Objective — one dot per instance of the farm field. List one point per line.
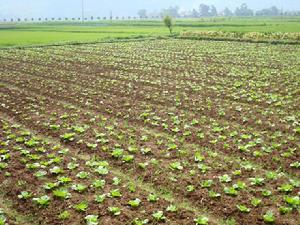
(150, 132)
(22, 34)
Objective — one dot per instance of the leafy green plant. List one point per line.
(199, 157)
(225, 178)
(172, 208)
(82, 175)
(257, 181)
(100, 198)
(31, 143)
(116, 181)
(99, 184)
(117, 153)
(213, 194)
(116, 193)
(91, 220)
(266, 193)
(79, 187)
(203, 168)
(68, 137)
(2, 218)
(138, 221)
(79, 129)
(285, 210)
(50, 186)
(293, 201)
(64, 215)
(72, 165)
(286, 188)
(159, 216)
(271, 175)
(56, 170)
(42, 201)
(40, 173)
(25, 195)
(231, 191)
(145, 151)
(135, 203)
(81, 207)
(206, 183)
(256, 202)
(176, 166)
(127, 158)
(295, 165)
(243, 208)
(201, 220)
(64, 180)
(3, 165)
(239, 185)
(54, 127)
(268, 217)
(152, 198)
(114, 210)
(61, 193)
(190, 188)
(102, 170)
(91, 146)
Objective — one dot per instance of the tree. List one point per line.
(243, 10)
(195, 13)
(204, 10)
(213, 11)
(171, 11)
(142, 13)
(227, 12)
(273, 11)
(168, 21)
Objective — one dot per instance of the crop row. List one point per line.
(215, 128)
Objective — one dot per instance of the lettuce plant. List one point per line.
(61, 193)
(268, 217)
(64, 215)
(25, 195)
(115, 193)
(100, 198)
(135, 203)
(91, 220)
(172, 208)
(159, 216)
(42, 201)
(201, 220)
(114, 210)
(243, 208)
(81, 207)
(152, 198)
(79, 187)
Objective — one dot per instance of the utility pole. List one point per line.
(82, 10)
(111, 16)
(282, 10)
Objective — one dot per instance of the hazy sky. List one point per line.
(72, 8)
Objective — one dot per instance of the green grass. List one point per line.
(59, 32)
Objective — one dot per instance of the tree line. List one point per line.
(211, 11)
(91, 18)
(202, 11)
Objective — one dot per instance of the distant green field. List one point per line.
(60, 32)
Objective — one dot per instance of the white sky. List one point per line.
(72, 8)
